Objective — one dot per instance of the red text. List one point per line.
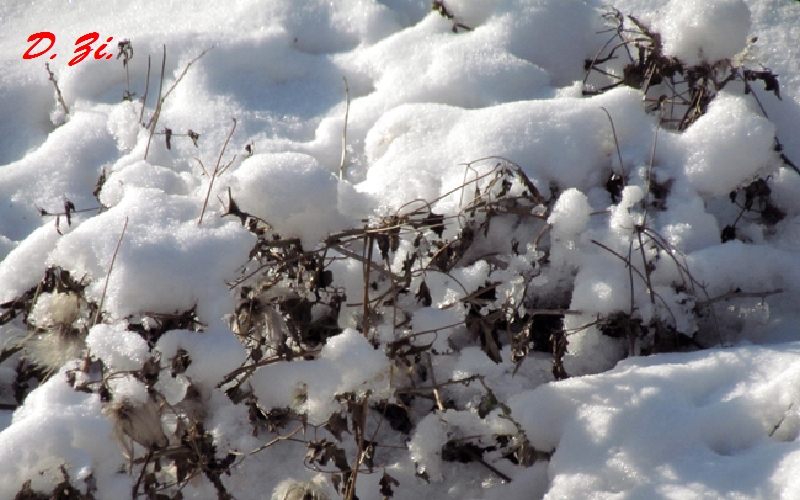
(83, 46)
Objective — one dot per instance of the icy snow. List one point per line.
(426, 104)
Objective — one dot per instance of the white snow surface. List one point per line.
(432, 106)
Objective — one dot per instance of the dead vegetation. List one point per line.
(291, 300)
(683, 92)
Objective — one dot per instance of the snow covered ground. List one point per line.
(171, 304)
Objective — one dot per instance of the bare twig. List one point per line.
(154, 119)
(249, 369)
(644, 279)
(183, 73)
(350, 490)
(432, 376)
(146, 89)
(58, 90)
(108, 274)
(740, 295)
(148, 457)
(277, 439)
(630, 276)
(783, 417)
(344, 129)
(616, 143)
(126, 53)
(368, 244)
(157, 114)
(217, 171)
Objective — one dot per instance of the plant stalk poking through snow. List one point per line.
(146, 89)
(344, 130)
(151, 125)
(216, 172)
(58, 90)
(154, 119)
(108, 274)
(126, 53)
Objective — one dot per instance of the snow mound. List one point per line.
(726, 422)
(697, 32)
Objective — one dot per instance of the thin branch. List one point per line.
(350, 491)
(368, 244)
(183, 73)
(157, 114)
(740, 295)
(147, 459)
(616, 143)
(249, 369)
(630, 276)
(432, 376)
(344, 130)
(650, 165)
(154, 119)
(108, 274)
(557, 312)
(217, 171)
(277, 439)
(58, 90)
(783, 417)
(646, 267)
(639, 273)
(146, 89)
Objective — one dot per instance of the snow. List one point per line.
(727, 146)
(708, 31)
(570, 214)
(134, 326)
(290, 189)
(348, 363)
(58, 425)
(713, 425)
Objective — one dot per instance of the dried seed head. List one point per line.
(137, 421)
(290, 489)
(58, 336)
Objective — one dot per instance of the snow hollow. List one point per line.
(400, 249)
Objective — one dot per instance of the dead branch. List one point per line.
(217, 171)
(108, 274)
(58, 90)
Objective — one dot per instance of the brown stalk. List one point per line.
(108, 274)
(217, 171)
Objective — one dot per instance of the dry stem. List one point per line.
(217, 171)
(108, 274)
(344, 130)
(58, 90)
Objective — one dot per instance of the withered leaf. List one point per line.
(769, 79)
(180, 362)
(194, 136)
(336, 424)
(69, 207)
(728, 234)
(100, 182)
(336, 480)
(386, 482)
(436, 224)
(424, 294)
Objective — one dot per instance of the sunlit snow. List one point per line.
(436, 106)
